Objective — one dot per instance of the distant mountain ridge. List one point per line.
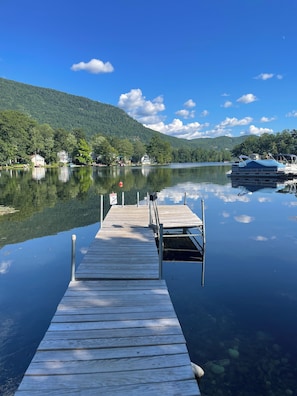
(62, 110)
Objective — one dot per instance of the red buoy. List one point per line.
(121, 184)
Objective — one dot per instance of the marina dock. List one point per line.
(115, 331)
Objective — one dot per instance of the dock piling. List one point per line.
(203, 221)
(160, 251)
(73, 240)
(101, 210)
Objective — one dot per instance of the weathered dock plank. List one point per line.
(115, 331)
(123, 248)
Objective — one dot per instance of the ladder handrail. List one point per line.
(154, 213)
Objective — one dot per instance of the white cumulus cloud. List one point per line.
(204, 113)
(190, 103)
(264, 76)
(187, 112)
(227, 104)
(141, 109)
(94, 66)
(267, 119)
(248, 98)
(292, 113)
(233, 122)
(184, 113)
(178, 129)
(148, 113)
(253, 130)
(268, 76)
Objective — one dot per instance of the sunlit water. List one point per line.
(241, 327)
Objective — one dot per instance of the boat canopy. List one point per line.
(266, 163)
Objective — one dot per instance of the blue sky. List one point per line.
(190, 69)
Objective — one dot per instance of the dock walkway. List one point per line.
(115, 331)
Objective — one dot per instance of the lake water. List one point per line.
(241, 327)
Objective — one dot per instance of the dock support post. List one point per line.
(203, 222)
(203, 270)
(123, 198)
(101, 210)
(73, 238)
(137, 198)
(185, 198)
(150, 213)
(160, 251)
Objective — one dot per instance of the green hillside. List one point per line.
(218, 143)
(62, 110)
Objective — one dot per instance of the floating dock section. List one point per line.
(115, 331)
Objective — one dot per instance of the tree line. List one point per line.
(284, 142)
(21, 136)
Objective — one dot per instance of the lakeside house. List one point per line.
(145, 160)
(37, 160)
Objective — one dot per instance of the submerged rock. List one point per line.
(217, 369)
(233, 353)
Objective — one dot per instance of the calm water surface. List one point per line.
(241, 327)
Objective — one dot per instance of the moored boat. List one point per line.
(254, 166)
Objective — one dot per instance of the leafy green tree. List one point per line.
(96, 143)
(4, 152)
(294, 140)
(184, 155)
(47, 138)
(139, 150)
(108, 153)
(266, 145)
(70, 144)
(82, 153)
(115, 142)
(284, 142)
(249, 146)
(35, 140)
(60, 139)
(125, 150)
(159, 150)
(15, 131)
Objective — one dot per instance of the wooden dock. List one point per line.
(115, 331)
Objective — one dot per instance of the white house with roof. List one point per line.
(37, 160)
(145, 160)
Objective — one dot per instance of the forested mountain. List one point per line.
(218, 143)
(61, 110)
